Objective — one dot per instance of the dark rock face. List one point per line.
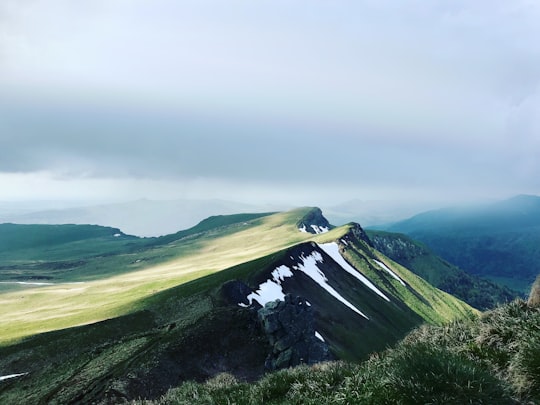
(289, 327)
(359, 233)
(235, 292)
(397, 248)
(315, 218)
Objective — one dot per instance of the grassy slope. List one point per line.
(430, 303)
(144, 272)
(497, 241)
(481, 294)
(494, 359)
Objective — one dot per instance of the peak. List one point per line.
(314, 222)
(358, 233)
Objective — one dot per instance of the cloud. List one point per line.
(438, 96)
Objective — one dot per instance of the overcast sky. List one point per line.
(308, 102)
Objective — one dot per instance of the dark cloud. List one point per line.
(434, 96)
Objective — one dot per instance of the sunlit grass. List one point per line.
(36, 310)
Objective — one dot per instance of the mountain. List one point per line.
(373, 212)
(477, 292)
(142, 217)
(498, 241)
(152, 313)
(492, 359)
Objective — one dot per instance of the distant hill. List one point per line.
(133, 320)
(142, 217)
(499, 241)
(373, 212)
(478, 292)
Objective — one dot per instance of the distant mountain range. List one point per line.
(155, 218)
(141, 218)
(499, 241)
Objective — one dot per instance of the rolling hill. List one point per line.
(150, 313)
(499, 241)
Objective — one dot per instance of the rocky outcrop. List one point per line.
(235, 292)
(397, 247)
(314, 222)
(289, 327)
(357, 234)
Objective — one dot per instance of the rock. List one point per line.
(314, 218)
(289, 328)
(235, 292)
(270, 322)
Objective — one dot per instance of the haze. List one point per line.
(308, 102)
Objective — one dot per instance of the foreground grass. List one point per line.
(491, 360)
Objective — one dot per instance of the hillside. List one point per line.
(494, 359)
(477, 292)
(152, 328)
(498, 241)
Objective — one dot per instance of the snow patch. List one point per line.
(344, 242)
(25, 283)
(39, 283)
(319, 229)
(7, 377)
(318, 336)
(116, 235)
(270, 290)
(303, 228)
(385, 267)
(281, 272)
(332, 249)
(309, 267)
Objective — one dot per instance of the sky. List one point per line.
(305, 102)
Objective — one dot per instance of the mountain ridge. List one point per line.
(168, 327)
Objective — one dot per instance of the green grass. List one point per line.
(494, 359)
(479, 293)
(431, 304)
(173, 312)
(112, 285)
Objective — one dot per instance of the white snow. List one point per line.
(332, 249)
(267, 292)
(385, 267)
(24, 283)
(7, 377)
(39, 284)
(116, 235)
(281, 272)
(318, 336)
(319, 229)
(344, 242)
(270, 290)
(303, 229)
(309, 267)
